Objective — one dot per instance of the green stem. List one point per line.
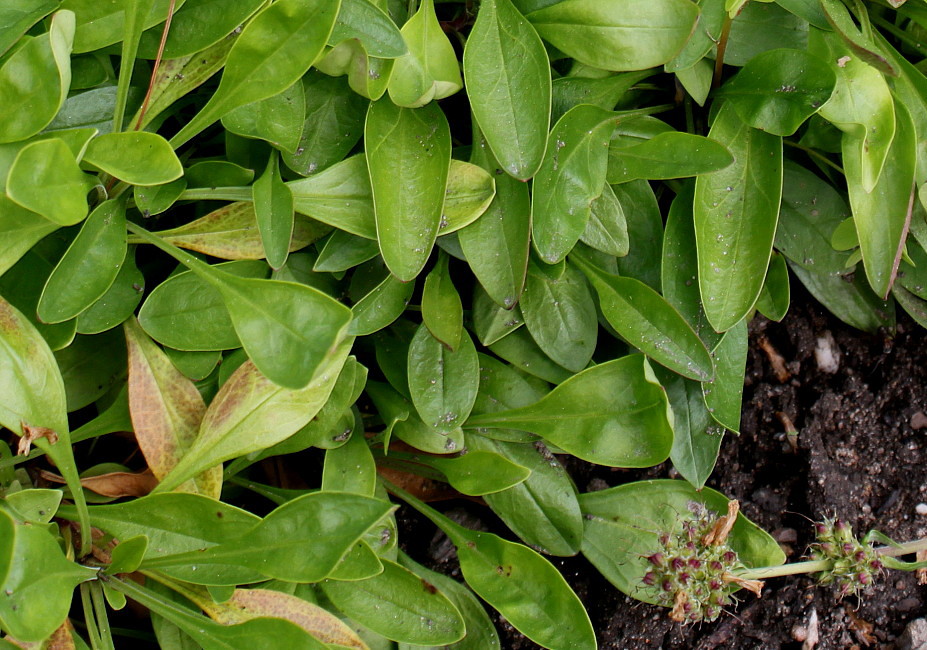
(99, 607)
(817, 155)
(447, 526)
(199, 267)
(92, 631)
(900, 34)
(903, 549)
(722, 46)
(216, 194)
(62, 454)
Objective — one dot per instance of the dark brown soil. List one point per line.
(859, 454)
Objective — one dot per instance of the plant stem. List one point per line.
(903, 549)
(216, 194)
(722, 46)
(154, 68)
(92, 631)
(817, 155)
(99, 608)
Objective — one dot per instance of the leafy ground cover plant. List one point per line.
(265, 261)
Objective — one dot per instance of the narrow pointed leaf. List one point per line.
(408, 155)
(612, 414)
(442, 311)
(508, 83)
(273, 208)
(607, 228)
(443, 383)
(666, 155)
(89, 266)
(724, 394)
(736, 210)
(696, 436)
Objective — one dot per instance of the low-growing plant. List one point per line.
(311, 253)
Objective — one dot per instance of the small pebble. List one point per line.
(921, 508)
(918, 420)
(914, 636)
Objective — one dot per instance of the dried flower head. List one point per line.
(854, 563)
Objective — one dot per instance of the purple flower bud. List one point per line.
(656, 559)
(667, 585)
(863, 578)
(820, 529)
(695, 563)
(860, 556)
(690, 546)
(649, 578)
(683, 577)
(877, 565)
(714, 565)
(715, 584)
(729, 556)
(687, 607)
(840, 525)
(664, 539)
(827, 548)
(677, 563)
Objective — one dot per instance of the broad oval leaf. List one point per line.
(430, 70)
(46, 179)
(508, 83)
(613, 414)
(623, 525)
(620, 35)
(779, 89)
(649, 323)
(408, 156)
(736, 210)
(278, 119)
(607, 228)
(136, 157)
(666, 155)
(571, 176)
(22, 287)
(372, 26)
(90, 265)
(400, 606)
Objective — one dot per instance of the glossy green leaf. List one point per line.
(91, 366)
(278, 119)
(350, 468)
(649, 323)
(128, 555)
(89, 267)
(45, 178)
(408, 155)
(22, 286)
(34, 80)
(519, 349)
(763, 26)
(645, 232)
(882, 215)
(334, 122)
(343, 251)
(778, 90)
(542, 510)
(157, 199)
(35, 505)
(852, 302)
(196, 26)
(470, 190)
(443, 383)
(623, 525)
(736, 211)
(274, 50)
(861, 104)
(571, 177)
(560, 314)
(251, 413)
(524, 587)
(400, 415)
(119, 301)
(509, 87)
(604, 92)
(724, 394)
(101, 24)
(372, 26)
(625, 35)
(497, 244)
(430, 70)
(774, 300)
(20, 230)
(607, 228)
(696, 436)
(17, 16)
(400, 606)
(37, 581)
(612, 414)
(857, 38)
(502, 387)
(379, 308)
(288, 543)
(666, 155)
(134, 15)
(703, 39)
(490, 321)
(442, 311)
(273, 208)
(187, 313)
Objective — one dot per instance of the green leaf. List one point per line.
(613, 414)
(128, 555)
(443, 383)
(774, 300)
(274, 50)
(645, 232)
(497, 244)
(136, 157)
(302, 541)
(35, 505)
(604, 92)
(861, 104)
(571, 177)
(187, 313)
(624, 35)
(384, 304)
(519, 349)
(273, 208)
(372, 26)
(17, 16)
(666, 155)
(442, 311)
(779, 89)
(196, 26)
(403, 422)
(526, 589)
(542, 510)
(91, 366)
(119, 301)
(560, 314)
(101, 24)
(135, 12)
(470, 190)
(20, 230)
(607, 228)
(36, 580)
(736, 211)
(648, 322)
(408, 155)
(89, 267)
(430, 70)
(882, 216)
(724, 393)
(490, 321)
(350, 468)
(623, 525)
(853, 303)
(251, 413)
(508, 83)
(278, 119)
(34, 80)
(763, 26)
(696, 436)
(287, 329)
(46, 179)
(22, 287)
(343, 251)
(400, 606)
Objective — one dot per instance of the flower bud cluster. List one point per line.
(854, 564)
(693, 568)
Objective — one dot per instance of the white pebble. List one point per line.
(921, 508)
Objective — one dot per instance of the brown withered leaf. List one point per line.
(60, 639)
(231, 233)
(166, 410)
(31, 434)
(722, 528)
(113, 484)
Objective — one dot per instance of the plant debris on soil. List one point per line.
(834, 424)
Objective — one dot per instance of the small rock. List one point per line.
(785, 535)
(914, 636)
(921, 508)
(827, 354)
(908, 604)
(918, 420)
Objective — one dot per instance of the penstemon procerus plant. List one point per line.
(346, 239)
